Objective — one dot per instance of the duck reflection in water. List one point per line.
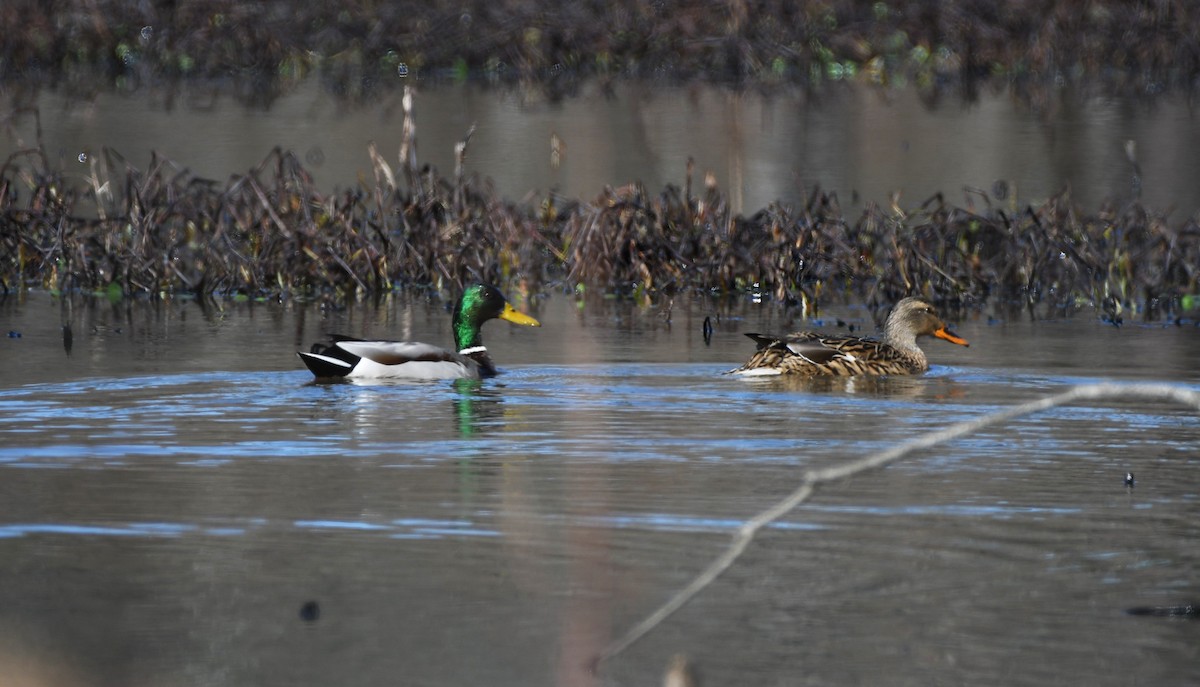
(900, 386)
(479, 409)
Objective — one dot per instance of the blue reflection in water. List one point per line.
(432, 528)
(617, 416)
(145, 529)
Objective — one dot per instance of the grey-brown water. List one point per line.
(182, 505)
(861, 142)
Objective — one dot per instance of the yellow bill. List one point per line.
(517, 317)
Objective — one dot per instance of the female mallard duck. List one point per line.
(355, 358)
(811, 354)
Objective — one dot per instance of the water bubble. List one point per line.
(402, 70)
(147, 33)
(315, 156)
(83, 157)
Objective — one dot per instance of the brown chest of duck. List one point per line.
(814, 354)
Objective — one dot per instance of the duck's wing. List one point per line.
(810, 346)
(407, 360)
(863, 356)
(776, 354)
(398, 352)
(817, 349)
(845, 348)
(811, 353)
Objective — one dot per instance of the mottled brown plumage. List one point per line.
(812, 354)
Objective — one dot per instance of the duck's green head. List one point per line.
(480, 303)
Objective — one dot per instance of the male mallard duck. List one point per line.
(811, 354)
(355, 358)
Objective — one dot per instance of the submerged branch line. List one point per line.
(814, 478)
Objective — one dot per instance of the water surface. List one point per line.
(865, 144)
(183, 505)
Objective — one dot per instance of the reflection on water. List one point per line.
(885, 387)
(477, 408)
(176, 490)
(862, 143)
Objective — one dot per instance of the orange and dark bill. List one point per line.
(517, 317)
(950, 336)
